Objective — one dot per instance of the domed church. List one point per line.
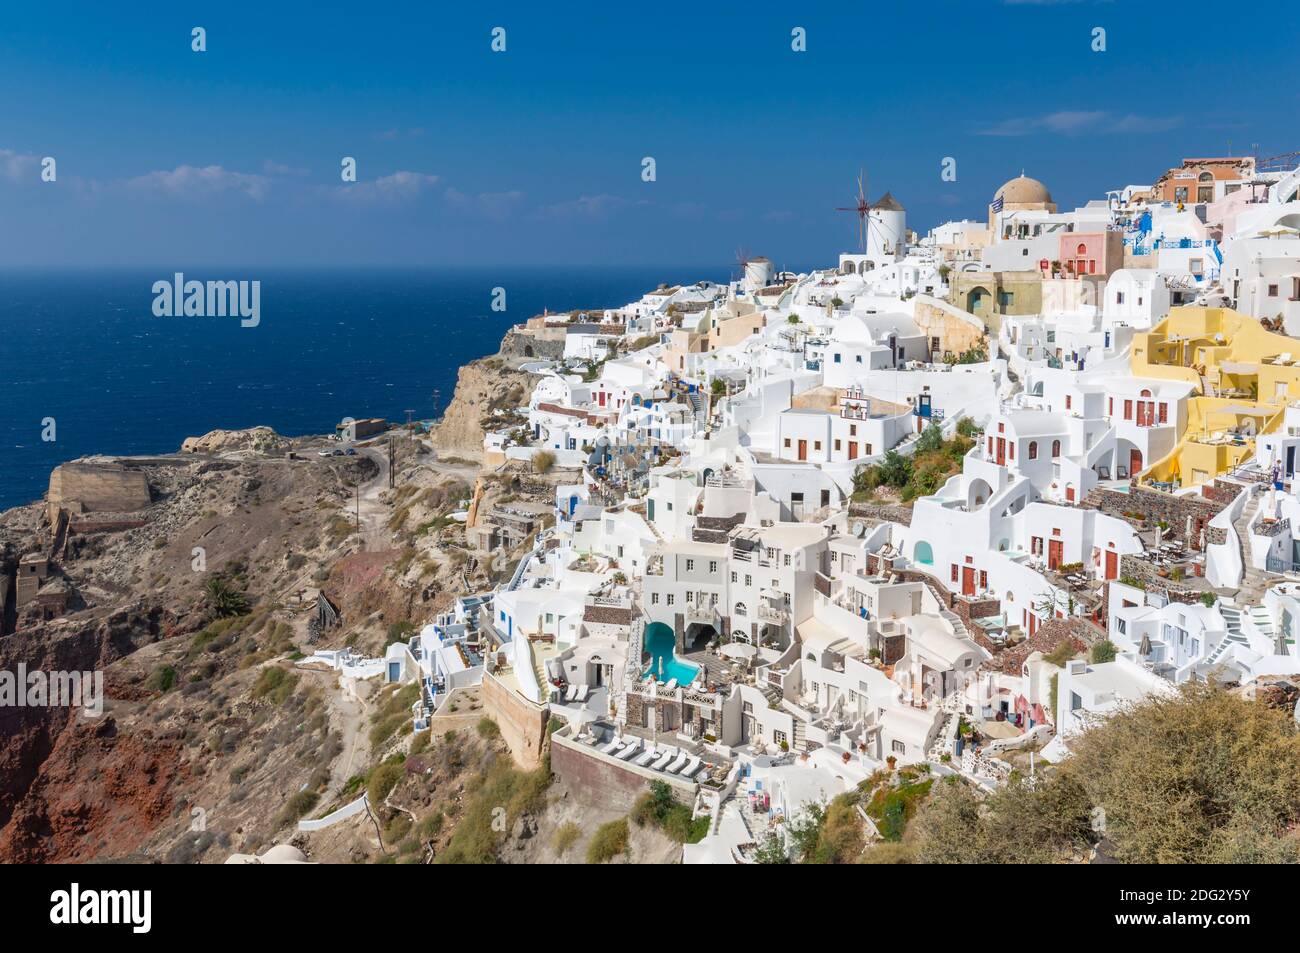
(1018, 195)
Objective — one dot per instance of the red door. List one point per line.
(803, 449)
(1002, 451)
(853, 449)
(967, 581)
(1054, 549)
(1134, 462)
(1112, 565)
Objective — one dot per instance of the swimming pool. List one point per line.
(664, 665)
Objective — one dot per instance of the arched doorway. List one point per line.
(978, 493)
(979, 300)
(923, 553)
(699, 634)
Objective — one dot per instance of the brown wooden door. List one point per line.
(853, 449)
(803, 449)
(967, 581)
(1002, 451)
(1134, 462)
(1054, 550)
(1112, 565)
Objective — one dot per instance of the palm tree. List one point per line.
(224, 599)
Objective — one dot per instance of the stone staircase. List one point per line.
(1263, 621)
(1232, 618)
(543, 683)
(1253, 581)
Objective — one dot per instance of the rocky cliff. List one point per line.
(487, 390)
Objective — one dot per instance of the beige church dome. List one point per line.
(1023, 190)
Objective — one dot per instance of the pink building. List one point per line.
(1091, 253)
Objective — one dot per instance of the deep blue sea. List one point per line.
(84, 348)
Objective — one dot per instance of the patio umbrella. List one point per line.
(1144, 648)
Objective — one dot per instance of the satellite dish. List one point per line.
(859, 529)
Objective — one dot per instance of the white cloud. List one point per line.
(598, 206)
(1079, 122)
(494, 205)
(401, 186)
(19, 167)
(188, 181)
(271, 167)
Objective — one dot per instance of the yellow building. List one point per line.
(1246, 376)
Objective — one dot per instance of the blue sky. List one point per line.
(167, 157)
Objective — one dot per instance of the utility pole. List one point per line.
(391, 468)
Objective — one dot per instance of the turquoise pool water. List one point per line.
(663, 663)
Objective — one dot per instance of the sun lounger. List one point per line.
(678, 764)
(612, 746)
(568, 695)
(580, 693)
(632, 748)
(691, 767)
(669, 685)
(651, 753)
(667, 756)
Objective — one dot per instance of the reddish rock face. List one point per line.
(72, 785)
(95, 788)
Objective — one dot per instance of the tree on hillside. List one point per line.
(224, 599)
(931, 439)
(895, 469)
(1199, 776)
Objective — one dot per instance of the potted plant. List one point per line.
(891, 761)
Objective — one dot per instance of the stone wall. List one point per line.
(885, 512)
(956, 330)
(1220, 492)
(668, 712)
(1130, 567)
(91, 487)
(532, 346)
(603, 780)
(1155, 505)
(522, 724)
(970, 609)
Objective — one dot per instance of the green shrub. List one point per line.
(565, 837)
(382, 781)
(478, 834)
(161, 679)
(609, 841)
(1103, 651)
(274, 685)
(298, 805)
